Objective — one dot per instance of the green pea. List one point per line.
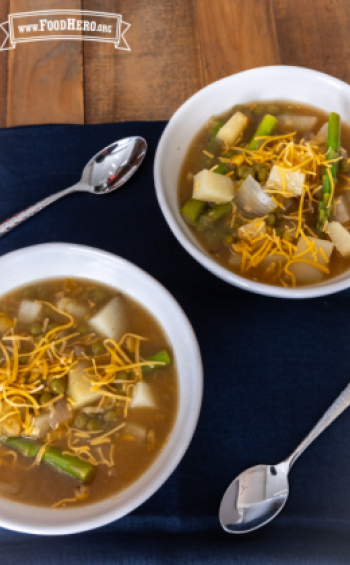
(81, 420)
(28, 294)
(123, 375)
(42, 293)
(23, 360)
(279, 232)
(35, 329)
(58, 386)
(273, 109)
(262, 174)
(248, 171)
(344, 166)
(288, 237)
(45, 397)
(228, 240)
(94, 425)
(110, 416)
(271, 219)
(98, 348)
(39, 337)
(83, 328)
(259, 109)
(98, 294)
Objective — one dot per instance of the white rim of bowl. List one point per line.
(153, 484)
(200, 256)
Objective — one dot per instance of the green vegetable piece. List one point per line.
(221, 169)
(81, 420)
(81, 470)
(228, 240)
(83, 328)
(266, 127)
(123, 375)
(262, 174)
(35, 329)
(23, 360)
(192, 209)
(259, 109)
(344, 166)
(271, 219)
(273, 109)
(94, 425)
(98, 294)
(45, 397)
(98, 348)
(212, 215)
(28, 294)
(217, 126)
(333, 145)
(58, 386)
(110, 416)
(162, 356)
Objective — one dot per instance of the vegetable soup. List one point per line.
(88, 392)
(265, 189)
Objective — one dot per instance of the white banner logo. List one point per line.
(80, 25)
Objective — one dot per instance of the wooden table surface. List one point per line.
(177, 47)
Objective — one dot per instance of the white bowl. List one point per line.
(264, 83)
(61, 259)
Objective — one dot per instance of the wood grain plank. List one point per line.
(315, 35)
(45, 78)
(236, 35)
(4, 10)
(157, 76)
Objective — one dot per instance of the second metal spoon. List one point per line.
(258, 494)
(105, 172)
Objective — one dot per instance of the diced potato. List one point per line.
(29, 311)
(252, 230)
(40, 425)
(273, 259)
(235, 126)
(298, 123)
(12, 426)
(72, 307)
(110, 321)
(143, 397)
(340, 237)
(211, 187)
(305, 273)
(342, 209)
(79, 389)
(5, 323)
(294, 181)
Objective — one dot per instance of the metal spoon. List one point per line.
(105, 172)
(258, 494)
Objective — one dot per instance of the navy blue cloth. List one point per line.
(272, 367)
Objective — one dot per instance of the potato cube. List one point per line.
(211, 187)
(235, 126)
(304, 272)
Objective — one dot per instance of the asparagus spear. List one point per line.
(192, 209)
(212, 215)
(266, 127)
(162, 356)
(69, 464)
(325, 207)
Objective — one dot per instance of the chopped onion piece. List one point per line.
(59, 413)
(252, 200)
(299, 123)
(28, 311)
(342, 209)
(340, 237)
(40, 425)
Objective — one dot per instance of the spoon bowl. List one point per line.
(254, 498)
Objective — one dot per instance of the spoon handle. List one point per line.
(13, 222)
(338, 406)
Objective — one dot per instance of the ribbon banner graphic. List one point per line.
(81, 25)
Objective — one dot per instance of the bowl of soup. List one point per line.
(101, 387)
(252, 176)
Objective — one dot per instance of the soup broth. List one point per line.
(268, 222)
(89, 392)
